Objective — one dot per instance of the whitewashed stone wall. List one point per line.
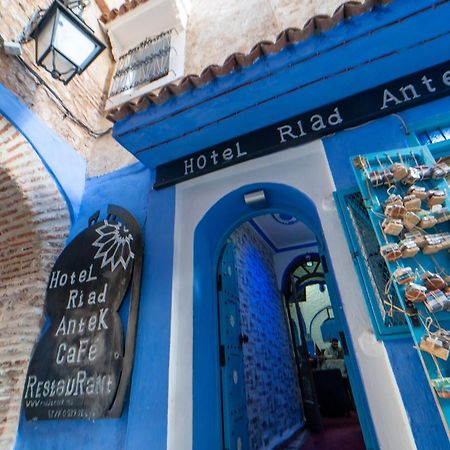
(273, 395)
(33, 227)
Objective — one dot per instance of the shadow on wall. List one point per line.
(33, 227)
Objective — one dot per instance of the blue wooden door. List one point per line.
(234, 410)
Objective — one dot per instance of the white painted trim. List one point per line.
(297, 167)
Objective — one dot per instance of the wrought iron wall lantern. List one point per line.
(65, 45)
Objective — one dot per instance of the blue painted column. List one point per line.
(143, 424)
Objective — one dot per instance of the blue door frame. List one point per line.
(210, 235)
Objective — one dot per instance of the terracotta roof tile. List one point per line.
(317, 24)
(124, 8)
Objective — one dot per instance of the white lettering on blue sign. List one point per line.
(201, 162)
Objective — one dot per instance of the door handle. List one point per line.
(243, 339)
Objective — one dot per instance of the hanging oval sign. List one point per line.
(81, 368)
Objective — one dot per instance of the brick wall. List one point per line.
(272, 390)
(33, 227)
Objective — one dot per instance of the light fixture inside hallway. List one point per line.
(65, 45)
(256, 199)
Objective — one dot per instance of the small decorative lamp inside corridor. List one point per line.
(65, 45)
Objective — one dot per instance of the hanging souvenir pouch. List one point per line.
(424, 171)
(415, 292)
(436, 197)
(435, 346)
(440, 213)
(432, 281)
(376, 178)
(393, 199)
(436, 301)
(447, 280)
(442, 386)
(410, 220)
(392, 226)
(395, 211)
(408, 248)
(412, 177)
(427, 221)
(390, 252)
(439, 171)
(399, 171)
(418, 191)
(445, 241)
(404, 275)
(412, 203)
(434, 244)
(418, 237)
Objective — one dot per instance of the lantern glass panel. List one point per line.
(72, 42)
(58, 64)
(45, 38)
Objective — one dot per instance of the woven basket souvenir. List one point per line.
(415, 292)
(434, 244)
(434, 346)
(442, 387)
(417, 236)
(410, 220)
(440, 213)
(392, 226)
(446, 240)
(439, 171)
(412, 177)
(424, 171)
(432, 281)
(418, 191)
(408, 248)
(436, 197)
(391, 252)
(404, 275)
(395, 211)
(427, 221)
(436, 301)
(399, 171)
(394, 199)
(412, 203)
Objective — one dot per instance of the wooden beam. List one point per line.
(104, 8)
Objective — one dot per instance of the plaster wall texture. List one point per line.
(35, 223)
(296, 167)
(217, 29)
(316, 301)
(272, 391)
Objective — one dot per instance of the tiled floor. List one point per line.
(341, 433)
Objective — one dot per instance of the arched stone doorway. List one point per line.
(34, 224)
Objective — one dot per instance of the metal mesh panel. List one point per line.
(377, 270)
(143, 64)
(439, 134)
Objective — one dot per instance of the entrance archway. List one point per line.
(210, 234)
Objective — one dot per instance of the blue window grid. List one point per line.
(373, 273)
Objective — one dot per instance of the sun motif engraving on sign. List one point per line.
(113, 245)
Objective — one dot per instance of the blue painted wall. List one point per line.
(64, 164)
(271, 383)
(382, 135)
(145, 416)
(356, 55)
